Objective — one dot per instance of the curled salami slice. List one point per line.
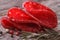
(6, 23)
(42, 14)
(18, 14)
(29, 26)
(35, 7)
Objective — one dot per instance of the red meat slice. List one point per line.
(29, 26)
(6, 23)
(18, 14)
(44, 15)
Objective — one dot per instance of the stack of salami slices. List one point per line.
(32, 18)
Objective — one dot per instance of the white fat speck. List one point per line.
(7, 30)
(9, 12)
(13, 19)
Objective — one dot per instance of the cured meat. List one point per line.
(6, 23)
(18, 14)
(44, 15)
(29, 26)
(32, 19)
